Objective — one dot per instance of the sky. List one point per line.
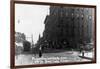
(29, 19)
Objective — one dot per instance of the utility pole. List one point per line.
(32, 40)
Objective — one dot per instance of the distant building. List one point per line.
(68, 27)
(19, 37)
(21, 44)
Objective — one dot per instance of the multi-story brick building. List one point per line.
(68, 27)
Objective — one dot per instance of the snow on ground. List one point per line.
(67, 56)
(88, 54)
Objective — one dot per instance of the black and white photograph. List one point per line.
(46, 34)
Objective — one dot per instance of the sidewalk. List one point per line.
(87, 55)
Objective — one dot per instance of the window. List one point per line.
(55, 13)
(77, 15)
(61, 13)
(66, 13)
(90, 17)
(87, 9)
(78, 9)
(82, 10)
(72, 14)
(82, 16)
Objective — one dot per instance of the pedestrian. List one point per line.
(83, 53)
(40, 51)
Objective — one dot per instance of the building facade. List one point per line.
(68, 27)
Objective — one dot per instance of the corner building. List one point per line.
(68, 27)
